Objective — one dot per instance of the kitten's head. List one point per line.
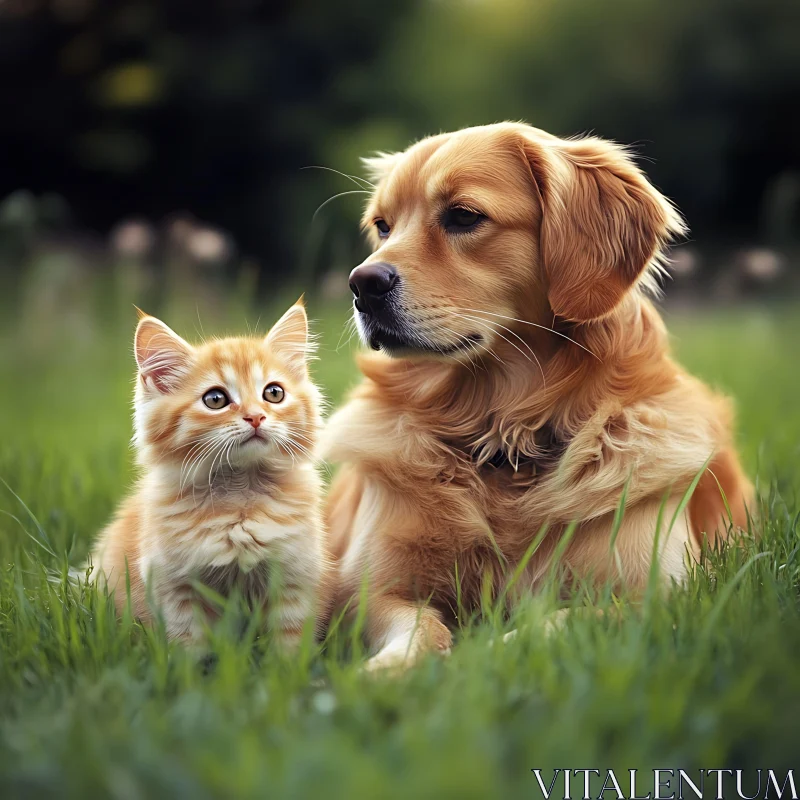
(238, 402)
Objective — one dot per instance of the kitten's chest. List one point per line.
(252, 584)
(240, 533)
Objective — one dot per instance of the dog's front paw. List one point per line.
(396, 660)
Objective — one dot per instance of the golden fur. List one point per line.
(557, 388)
(229, 497)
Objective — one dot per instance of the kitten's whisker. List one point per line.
(282, 443)
(212, 469)
(198, 444)
(192, 465)
(228, 453)
(207, 451)
(293, 446)
(207, 448)
(298, 446)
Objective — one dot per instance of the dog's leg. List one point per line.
(404, 631)
(555, 621)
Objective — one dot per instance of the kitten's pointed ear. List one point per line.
(163, 357)
(289, 337)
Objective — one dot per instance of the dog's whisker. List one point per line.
(484, 348)
(340, 194)
(361, 182)
(530, 349)
(535, 325)
(465, 340)
(351, 325)
(494, 330)
(345, 329)
(508, 341)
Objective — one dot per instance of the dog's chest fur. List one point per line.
(509, 471)
(519, 469)
(472, 494)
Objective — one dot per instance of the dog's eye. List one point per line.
(461, 220)
(383, 228)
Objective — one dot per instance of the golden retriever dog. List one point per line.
(523, 380)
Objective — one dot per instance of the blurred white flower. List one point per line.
(208, 244)
(179, 228)
(133, 239)
(683, 262)
(334, 285)
(761, 265)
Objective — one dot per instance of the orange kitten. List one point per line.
(229, 493)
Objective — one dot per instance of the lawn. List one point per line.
(95, 706)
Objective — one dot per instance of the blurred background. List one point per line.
(167, 153)
(164, 131)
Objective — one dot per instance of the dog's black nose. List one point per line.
(370, 283)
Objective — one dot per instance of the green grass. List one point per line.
(95, 706)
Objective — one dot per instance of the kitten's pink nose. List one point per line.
(255, 419)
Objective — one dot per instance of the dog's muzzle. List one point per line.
(371, 285)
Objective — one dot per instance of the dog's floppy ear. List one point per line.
(602, 226)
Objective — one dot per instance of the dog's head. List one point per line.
(477, 230)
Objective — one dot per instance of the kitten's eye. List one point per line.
(461, 220)
(274, 393)
(383, 228)
(216, 399)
